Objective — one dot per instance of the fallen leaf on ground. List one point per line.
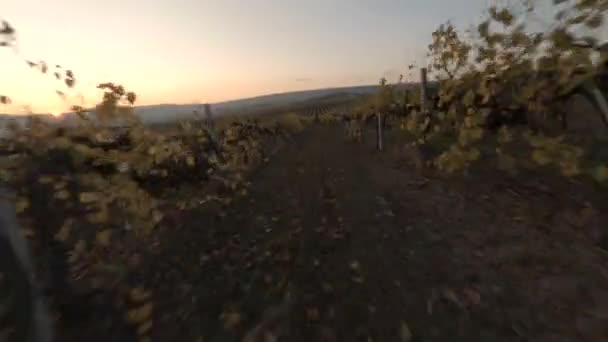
(313, 314)
(139, 295)
(381, 200)
(451, 296)
(103, 237)
(358, 279)
(478, 253)
(473, 297)
(230, 319)
(144, 328)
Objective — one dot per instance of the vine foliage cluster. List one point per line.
(503, 92)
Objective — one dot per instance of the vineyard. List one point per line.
(484, 217)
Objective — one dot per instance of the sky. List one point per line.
(193, 51)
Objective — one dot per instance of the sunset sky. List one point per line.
(185, 51)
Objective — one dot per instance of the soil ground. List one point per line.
(338, 242)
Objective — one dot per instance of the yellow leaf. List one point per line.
(411, 125)
(468, 122)
(477, 133)
(64, 233)
(231, 319)
(141, 314)
(473, 154)
(139, 295)
(21, 205)
(103, 237)
(144, 328)
(99, 216)
(45, 179)
(157, 216)
(89, 197)
(541, 157)
(62, 195)
(59, 185)
(504, 135)
(570, 168)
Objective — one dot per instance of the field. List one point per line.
(338, 242)
(484, 216)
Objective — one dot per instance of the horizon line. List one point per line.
(223, 101)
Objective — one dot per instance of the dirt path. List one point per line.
(346, 247)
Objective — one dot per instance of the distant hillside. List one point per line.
(163, 113)
(291, 97)
(170, 112)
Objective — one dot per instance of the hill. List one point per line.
(166, 113)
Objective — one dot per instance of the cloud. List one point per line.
(303, 79)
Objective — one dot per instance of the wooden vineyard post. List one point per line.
(208, 116)
(423, 91)
(424, 107)
(379, 130)
(379, 124)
